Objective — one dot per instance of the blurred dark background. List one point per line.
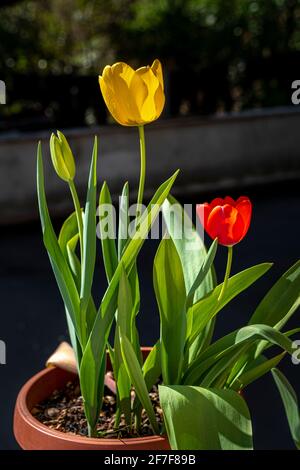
(229, 124)
(218, 55)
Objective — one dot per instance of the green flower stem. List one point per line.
(227, 273)
(78, 215)
(142, 171)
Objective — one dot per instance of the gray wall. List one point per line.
(212, 153)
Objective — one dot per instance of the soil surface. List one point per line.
(63, 411)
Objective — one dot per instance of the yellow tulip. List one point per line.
(62, 157)
(133, 97)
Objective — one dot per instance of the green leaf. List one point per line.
(227, 345)
(205, 419)
(92, 411)
(123, 220)
(67, 240)
(74, 262)
(292, 332)
(256, 369)
(152, 366)
(281, 301)
(123, 384)
(135, 372)
(111, 355)
(171, 297)
(125, 305)
(123, 327)
(192, 253)
(218, 371)
(204, 270)
(189, 246)
(109, 251)
(203, 311)
(75, 266)
(201, 342)
(68, 230)
(62, 272)
(95, 349)
(264, 332)
(290, 402)
(267, 333)
(89, 240)
(135, 293)
(151, 373)
(74, 340)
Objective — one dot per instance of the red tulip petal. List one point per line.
(218, 201)
(226, 224)
(242, 198)
(229, 200)
(244, 208)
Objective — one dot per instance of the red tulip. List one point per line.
(226, 219)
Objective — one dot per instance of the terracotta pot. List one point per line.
(33, 435)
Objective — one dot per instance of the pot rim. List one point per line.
(23, 410)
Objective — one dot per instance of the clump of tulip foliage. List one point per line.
(201, 379)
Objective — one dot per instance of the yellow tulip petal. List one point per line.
(124, 70)
(148, 111)
(111, 101)
(139, 91)
(121, 77)
(159, 99)
(157, 70)
(106, 74)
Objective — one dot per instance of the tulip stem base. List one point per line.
(227, 273)
(78, 215)
(142, 171)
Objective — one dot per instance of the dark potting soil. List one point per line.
(63, 411)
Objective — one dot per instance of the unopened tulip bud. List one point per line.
(62, 157)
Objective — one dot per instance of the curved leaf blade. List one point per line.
(203, 311)
(281, 301)
(197, 418)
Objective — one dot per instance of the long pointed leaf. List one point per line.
(89, 240)
(123, 220)
(290, 402)
(108, 244)
(58, 262)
